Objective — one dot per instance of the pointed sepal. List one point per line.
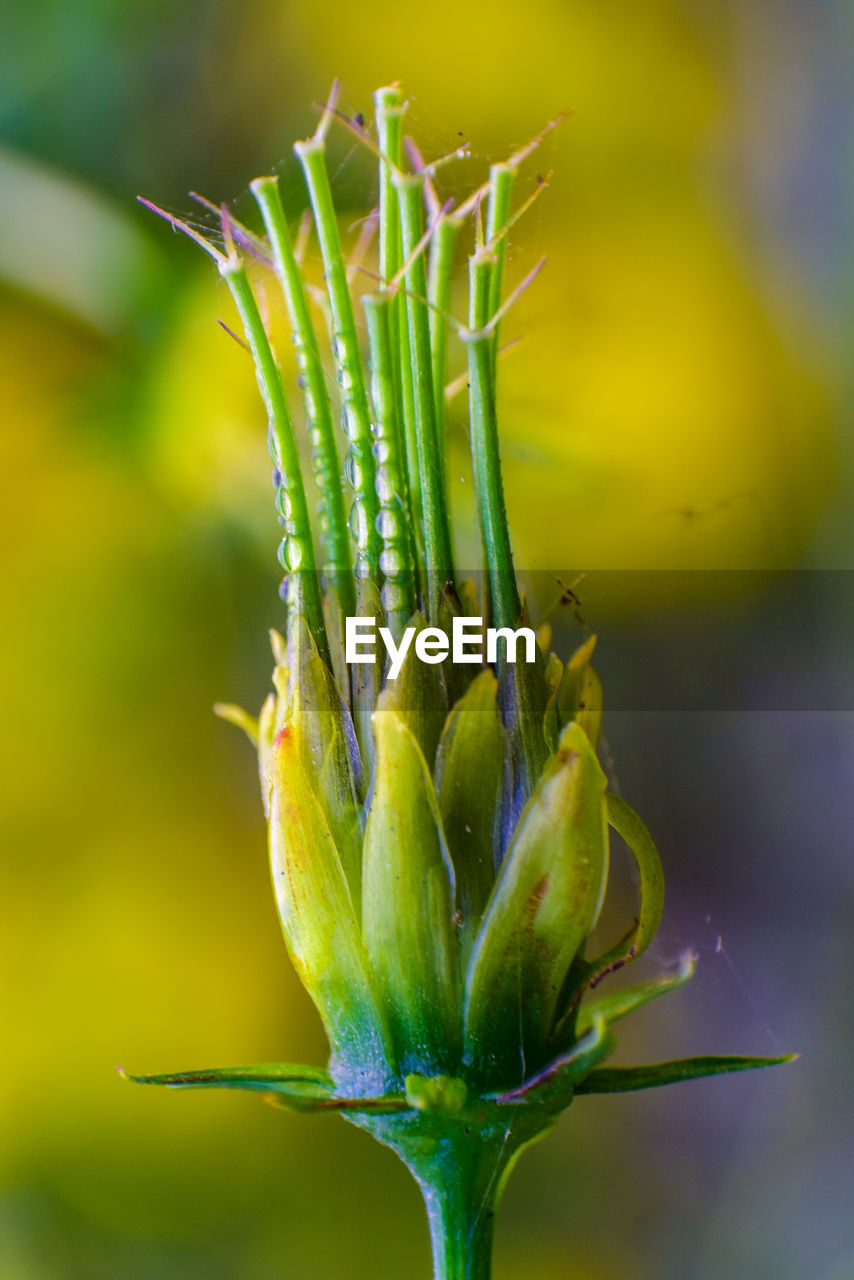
(470, 774)
(545, 902)
(657, 1074)
(293, 1088)
(321, 722)
(319, 919)
(408, 900)
(419, 694)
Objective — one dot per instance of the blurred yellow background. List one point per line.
(680, 402)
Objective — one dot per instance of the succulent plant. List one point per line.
(438, 830)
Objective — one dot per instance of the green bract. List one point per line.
(439, 842)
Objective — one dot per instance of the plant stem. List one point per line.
(439, 285)
(297, 549)
(461, 1219)
(332, 515)
(437, 536)
(485, 454)
(497, 213)
(396, 558)
(356, 413)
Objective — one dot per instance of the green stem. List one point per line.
(486, 459)
(440, 281)
(297, 549)
(396, 559)
(497, 214)
(437, 536)
(460, 1161)
(389, 115)
(348, 359)
(332, 516)
(460, 1205)
(390, 109)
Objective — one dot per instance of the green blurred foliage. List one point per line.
(673, 405)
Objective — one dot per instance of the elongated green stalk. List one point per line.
(389, 118)
(332, 517)
(439, 283)
(356, 413)
(437, 535)
(501, 177)
(461, 1215)
(297, 548)
(486, 459)
(396, 558)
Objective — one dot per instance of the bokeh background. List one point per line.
(676, 423)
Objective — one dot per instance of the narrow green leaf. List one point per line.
(544, 904)
(470, 765)
(407, 905)
(319, 919)
(617, 1004)
(293, 1088)
(265, 1077)
(627, 1079)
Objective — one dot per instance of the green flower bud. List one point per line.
(438, 836)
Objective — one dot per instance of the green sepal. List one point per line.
(301, 1087)
(419, 695)
(470, 769)
(456, 676)
(656, 1074)
(554, 1086)
(522, 695)
(320, 920)
(293, 1088)
(544, 904)
(633, 831)
(366, 677)
(617, 1004)
(330, 755)
(408, 901)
